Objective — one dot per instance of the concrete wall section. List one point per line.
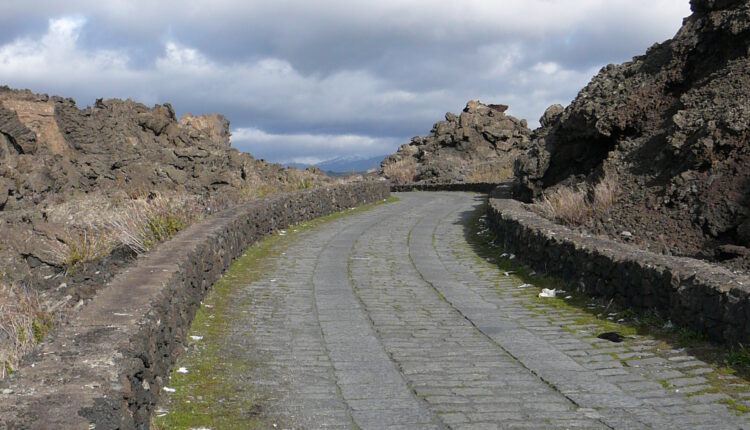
(690, 292)
(105, 368)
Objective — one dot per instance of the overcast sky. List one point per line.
(311, 80)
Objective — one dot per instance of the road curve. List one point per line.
(389, 319)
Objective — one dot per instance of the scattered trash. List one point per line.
(196, 337)
(182, 370)
(547, 293)
(669, 325)
(508, 273)
(503, 255)
(626, 234)
(169, 390)
(160, 412)
(532, 274)
(512, 257)
(568, 297)
(525, 285)
(612, 336)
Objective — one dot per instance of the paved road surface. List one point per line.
(388, 319)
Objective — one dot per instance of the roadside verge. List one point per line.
(105, 368)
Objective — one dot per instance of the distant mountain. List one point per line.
(348, 164)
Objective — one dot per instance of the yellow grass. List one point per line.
(487, 173)
(402, 171)
(574, 205)
(24, 320)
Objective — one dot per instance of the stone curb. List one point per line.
(691, 292)
(106, 367)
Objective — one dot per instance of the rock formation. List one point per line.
(52, 152)
(479, 145)
(673, 125)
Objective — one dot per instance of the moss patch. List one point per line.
(211, 394)
(730, 364)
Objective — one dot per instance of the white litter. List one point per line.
(525, 285)
(169, 390)
(503, 255)
(547, 293)
(196, 337)
(182, 370)
(508, 273)
(568, 297)
(512, 257)
(669, 325)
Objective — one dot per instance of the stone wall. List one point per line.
(105, 368)
(691, 293)
(482, 187)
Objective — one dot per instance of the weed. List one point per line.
(738, 356)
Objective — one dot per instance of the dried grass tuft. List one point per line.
(402, 171)
(574, 205)
(24, 320)
(488, 173)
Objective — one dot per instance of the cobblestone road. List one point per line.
(387, 319)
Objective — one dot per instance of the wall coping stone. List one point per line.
(105, 367)
(691, 292)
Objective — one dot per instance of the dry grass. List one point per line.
(402, 171)
(488, 173)
(143, 223)
(573, 206)
(24, 320)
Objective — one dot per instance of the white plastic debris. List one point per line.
(508, 273)
(503, 255)
(196, 337)
(182, 370)
(669, 325)
(547, 293)
(169, 390)
(512, 257)
(525, 285)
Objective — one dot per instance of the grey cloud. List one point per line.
(379, 71)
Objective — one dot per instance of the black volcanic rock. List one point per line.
(480, 143)
(673, 125)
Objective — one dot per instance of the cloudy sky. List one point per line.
(311, 80)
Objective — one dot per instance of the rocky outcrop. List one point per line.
(673, 125)
(52, 153)
(479, 145)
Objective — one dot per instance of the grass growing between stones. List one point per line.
(210, 394)
(728, 372)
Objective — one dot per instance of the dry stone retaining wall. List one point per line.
(106, 367)
(692, 293)
(480, 187)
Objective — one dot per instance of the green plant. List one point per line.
(738, 356)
